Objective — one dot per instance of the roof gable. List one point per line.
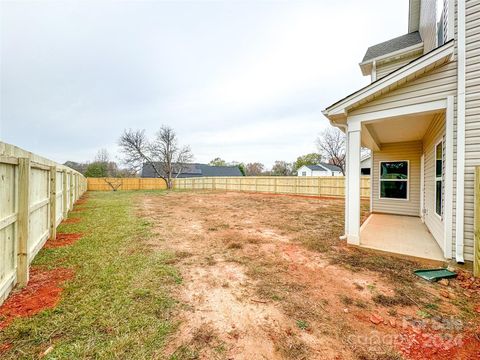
(406, 73)
(323, 167)
(392, 45)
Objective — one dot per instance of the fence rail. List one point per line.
(328, 186)
(35, 196)
(109, 184)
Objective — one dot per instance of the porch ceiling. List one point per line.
(398, 129)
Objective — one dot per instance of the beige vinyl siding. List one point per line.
(434, 85)
(434, 134)
(427, 26)
(472, 116)
(411, 151)
(386, 68)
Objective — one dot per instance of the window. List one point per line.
(394, 180)
(441, 21)
(304, 173)
(439, 178)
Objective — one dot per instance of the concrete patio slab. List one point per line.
(405, 235)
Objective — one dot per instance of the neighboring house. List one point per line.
(420, 116)
(196, 170)
(322, 169)
(366, 165)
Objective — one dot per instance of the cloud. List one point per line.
(242, 80)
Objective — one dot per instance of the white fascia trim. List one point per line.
(405, 52)
(403, 72)
(399, 111)
(460, 200)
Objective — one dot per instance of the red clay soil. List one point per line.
(418, 344)
(71, 221)
(82, 200)
(5, 347)
(63, 240)
(42, 292)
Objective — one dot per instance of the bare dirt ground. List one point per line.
(265, 277)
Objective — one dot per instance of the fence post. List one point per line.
(64, 197)
(53, 202)
(476, 230)
(23, 220)
(71, 191)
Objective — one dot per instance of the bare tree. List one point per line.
(102, 156)
(282, 168)
(331, 144)
(162, 153)
(254, 169)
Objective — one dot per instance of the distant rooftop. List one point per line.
(321, 166)
(392, 45)
(196, 170)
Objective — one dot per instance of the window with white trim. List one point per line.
(304, 173)
(394, 180)
(439, 178)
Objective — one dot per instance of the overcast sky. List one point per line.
(242, 80)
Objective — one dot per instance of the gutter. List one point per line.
(460, 199)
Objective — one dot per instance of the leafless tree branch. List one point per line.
(162, 153)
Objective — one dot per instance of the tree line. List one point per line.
(167, 158)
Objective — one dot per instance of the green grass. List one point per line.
(118, 304)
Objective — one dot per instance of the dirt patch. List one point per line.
(63, 239)
(82, 200)
(71, 221)
(266, 277)
(5, 347)
(42, 292)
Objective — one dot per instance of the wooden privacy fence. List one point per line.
(35, 196)
(109, 184)
(329, 186)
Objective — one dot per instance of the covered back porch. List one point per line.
(411, 180)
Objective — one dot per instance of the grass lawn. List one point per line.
(185, 275)
(117, 304)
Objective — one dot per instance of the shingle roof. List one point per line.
(196, 170)
(321, 167)
(392, 45)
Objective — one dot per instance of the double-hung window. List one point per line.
(439, 178)
(394, 180)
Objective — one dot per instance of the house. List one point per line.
(196, 170)
(322, 169)
(420, 117)
(365, 164)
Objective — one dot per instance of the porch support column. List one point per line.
(352, 215)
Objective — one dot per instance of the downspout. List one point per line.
(460, 205)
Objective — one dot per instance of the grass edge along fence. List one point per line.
(35, 196)
(328, 186)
